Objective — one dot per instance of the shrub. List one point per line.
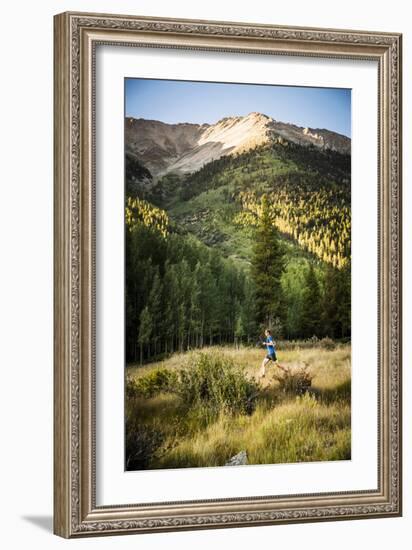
(141, 444)
(327, 344)
(149, 385)
(131, 390)
(213, 383)
(296, 381)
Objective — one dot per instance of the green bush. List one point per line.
(149, 385)
(213, 383)
(296, 381)
(131, 391)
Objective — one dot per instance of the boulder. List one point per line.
(238, 460)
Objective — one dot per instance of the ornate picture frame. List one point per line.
(76, 36)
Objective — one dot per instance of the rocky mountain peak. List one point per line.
(186, 147)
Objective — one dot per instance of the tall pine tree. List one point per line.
(331, 325)
(155, 309)
(311, 307)
(145, 331)
(268, 264)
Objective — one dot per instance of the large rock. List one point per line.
(238, 460)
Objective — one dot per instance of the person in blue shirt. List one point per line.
(271, 352)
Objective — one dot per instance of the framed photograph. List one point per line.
(227, 274)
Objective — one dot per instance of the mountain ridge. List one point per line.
(185, 147)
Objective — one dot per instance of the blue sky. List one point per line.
(176, 101)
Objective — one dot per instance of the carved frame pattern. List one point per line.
(76, 36)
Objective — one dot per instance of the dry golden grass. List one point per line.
(283, 428)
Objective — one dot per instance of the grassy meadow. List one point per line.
(200, 408)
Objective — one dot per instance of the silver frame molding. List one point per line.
(76, 36)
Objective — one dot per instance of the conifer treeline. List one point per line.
(319, 221)
(181, 294)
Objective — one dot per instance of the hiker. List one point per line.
(271, 353)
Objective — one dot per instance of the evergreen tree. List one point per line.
(240, 331)
(170, 306)
(268, 264)
(248, 310)
(330, 316)
(184, 284)
(145, 330)
(195, 308)
(311, 307)
(344, 302)
(293, 284)
(155, 308)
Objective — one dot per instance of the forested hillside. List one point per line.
(261, 237)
